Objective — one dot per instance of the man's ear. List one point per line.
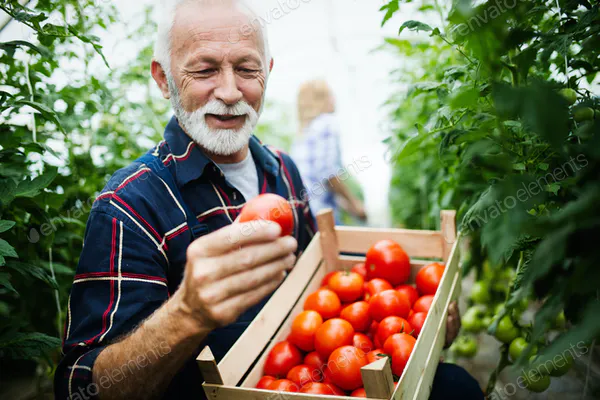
(271, 65)
(158, 73)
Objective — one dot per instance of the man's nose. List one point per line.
(227, 90)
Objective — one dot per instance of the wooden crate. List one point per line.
(238, 372)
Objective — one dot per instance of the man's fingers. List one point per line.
(233, 237)
(254, 255)
(246, 281)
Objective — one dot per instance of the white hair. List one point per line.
(166, 20)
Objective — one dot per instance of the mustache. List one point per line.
(217, 107)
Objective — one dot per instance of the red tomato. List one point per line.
(332, 334)
(423, 304)
(325, 302)
(304, 327)
(400, 346)
(317, 388)
(387, 260)
(360, 392)
(375, 355)
(390, 325)
(373, 330)
(264, 382)
(327, 376)
(361, 341)
(283, 385)
(358, 315)
(388, 302)
(303, 374)
(360, 269)
(344, 364)
(326, 278)
(416, 321)
(347, 285)
(429, 277)
(375, 286)
(282, 357)
(270, 207)
(410, 313)
(315, 361)
(411, 293)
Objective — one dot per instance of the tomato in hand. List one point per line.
(283, 385)
(282, 357)
(344, 365)
(375, 355)
(360, 392)
(358, 315)
(409, 291)
(388, 302)
(390, 325)
(325, 302)
(360, 269)
(304, 327)
(400, 346)
(332, 334)
(416, 321)
(429, 277)
(265, 381)
(303, 374)
(270, 207)
(347, 285)
(315, 361)
(387, 260)
(423, 304)
(375, 286)
(361, 341)
(317, 388)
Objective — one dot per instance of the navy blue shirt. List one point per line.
(134, 254)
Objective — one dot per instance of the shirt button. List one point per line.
(234, 196)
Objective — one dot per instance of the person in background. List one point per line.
(316, 152)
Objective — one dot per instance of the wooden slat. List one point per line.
(448, 228)
(423, 362)
(208, 367)
(217, 392)
(416, 243)
(284, 330)
(329, 241)
(347, 262)
(254, 339)
(378, 379)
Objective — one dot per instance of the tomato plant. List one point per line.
(269, 207)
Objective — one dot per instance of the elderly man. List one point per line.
(164, 271)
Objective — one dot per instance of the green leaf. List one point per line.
(42, 50)
(390, 9)
(543, 166)
(34, 187)
(553, 188)
(6, 225)
(415, 26)
(46, 112)
(7, 250)
(519, 167)
(30, 270)
(27, 346)
(5, 282)
(8, 188)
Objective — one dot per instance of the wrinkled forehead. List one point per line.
(198, 23)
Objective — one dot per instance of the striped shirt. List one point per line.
(134, 254)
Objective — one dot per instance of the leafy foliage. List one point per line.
(499, 139)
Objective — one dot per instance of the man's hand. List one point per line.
(452, 324)
(232, 269)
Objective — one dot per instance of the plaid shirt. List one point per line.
(317, 154)
(134, 254)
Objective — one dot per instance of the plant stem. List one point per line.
(56, 296)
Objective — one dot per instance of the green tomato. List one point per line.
(465, 346)
(487, 321)
(517, 346)
(583, 114)
(562, 366)
(498, 309)
(560, 322)
(480, 293)
(535, 382)
(570, 95)
(506, 331)
(471, 320)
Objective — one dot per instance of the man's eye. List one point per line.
(206, 71)
(248, 70)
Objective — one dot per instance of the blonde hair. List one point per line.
(314, 98)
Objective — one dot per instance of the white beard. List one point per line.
(223, 142)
